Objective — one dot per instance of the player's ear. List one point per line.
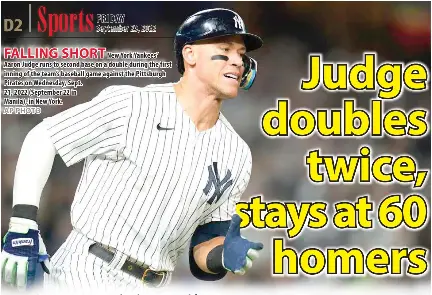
(189, 55)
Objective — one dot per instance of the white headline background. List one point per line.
(260, 289)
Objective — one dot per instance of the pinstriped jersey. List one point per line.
(149, 176)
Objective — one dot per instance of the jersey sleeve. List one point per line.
(97, 127)
(228, 208)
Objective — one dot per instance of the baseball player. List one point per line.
(163, 170)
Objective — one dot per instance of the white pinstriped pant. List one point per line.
(74, 269)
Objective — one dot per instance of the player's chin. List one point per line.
(229, 91)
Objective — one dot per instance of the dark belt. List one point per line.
(148, 276)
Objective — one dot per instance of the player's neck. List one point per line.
(198, 104)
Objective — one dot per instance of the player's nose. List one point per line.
(236, 60)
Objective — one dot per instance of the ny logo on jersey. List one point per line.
(238, 23)
(220, 186)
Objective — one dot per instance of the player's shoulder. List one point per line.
(117, 92)
(129, 90)
(118, 89)
(240, 142)
(159, 88)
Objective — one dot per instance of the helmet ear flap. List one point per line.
(249, 74)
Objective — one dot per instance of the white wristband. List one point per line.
(22, 225)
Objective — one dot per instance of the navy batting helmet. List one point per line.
(213, 23)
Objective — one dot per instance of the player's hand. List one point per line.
(23, 250)
(238, 253)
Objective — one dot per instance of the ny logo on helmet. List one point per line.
(238, 23)
(220, 186)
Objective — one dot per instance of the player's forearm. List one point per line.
(201, 253)
(34, 167)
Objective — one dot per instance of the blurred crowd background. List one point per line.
(341, 31)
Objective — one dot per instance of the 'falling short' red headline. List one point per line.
(54, 53)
